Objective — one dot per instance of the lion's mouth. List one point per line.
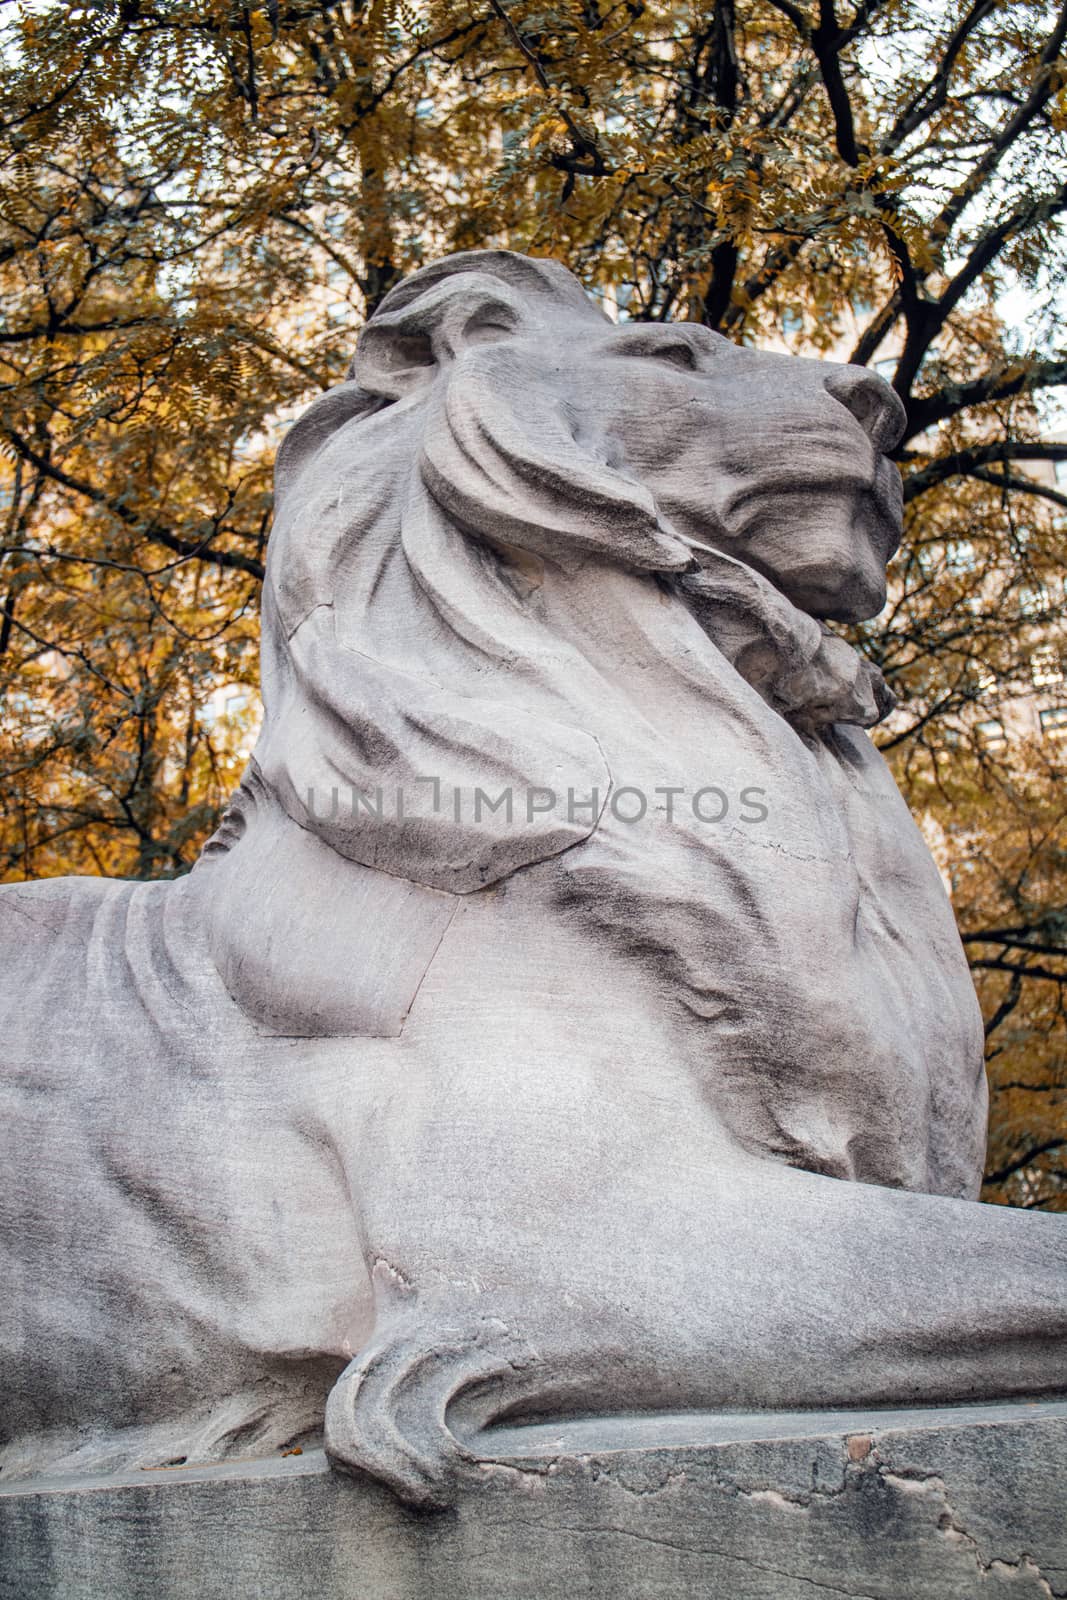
(845, 472)
(823, 549)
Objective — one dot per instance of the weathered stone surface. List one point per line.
(660, 1090)
(951, 1506)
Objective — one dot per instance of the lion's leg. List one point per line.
(557, 1223)
(731, 1283)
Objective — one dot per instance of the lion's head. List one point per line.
(498, 437)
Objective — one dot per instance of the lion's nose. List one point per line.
(875, 406)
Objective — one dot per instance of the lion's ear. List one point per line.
(392, 364)
(401, 351)
(506, 454)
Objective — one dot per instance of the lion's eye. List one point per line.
(645, 344)
(677, 353)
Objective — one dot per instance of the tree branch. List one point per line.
(1000, 964)
(192, 549)
(1006, 1006)
(1002, 384)
(1020, 485)
(1043, 86)
(936, 312)
(826, 42)
(934, 94)
(1024, 1161)
(588, 160)
(1010, 943)
(873, 335)
(963, 462)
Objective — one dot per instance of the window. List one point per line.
(1046, 666)
(1033, 600)
(991, 733)
(1054, 722)
(982, 677)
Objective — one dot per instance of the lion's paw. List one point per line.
(387, 1414)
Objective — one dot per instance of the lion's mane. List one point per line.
(404, 637)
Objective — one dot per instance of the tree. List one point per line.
(204, 199)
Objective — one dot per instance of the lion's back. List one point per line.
(46, 938)
(78, 1067)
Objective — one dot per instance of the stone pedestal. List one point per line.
(950, 1504)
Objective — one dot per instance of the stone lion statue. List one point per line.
(567, 1017)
